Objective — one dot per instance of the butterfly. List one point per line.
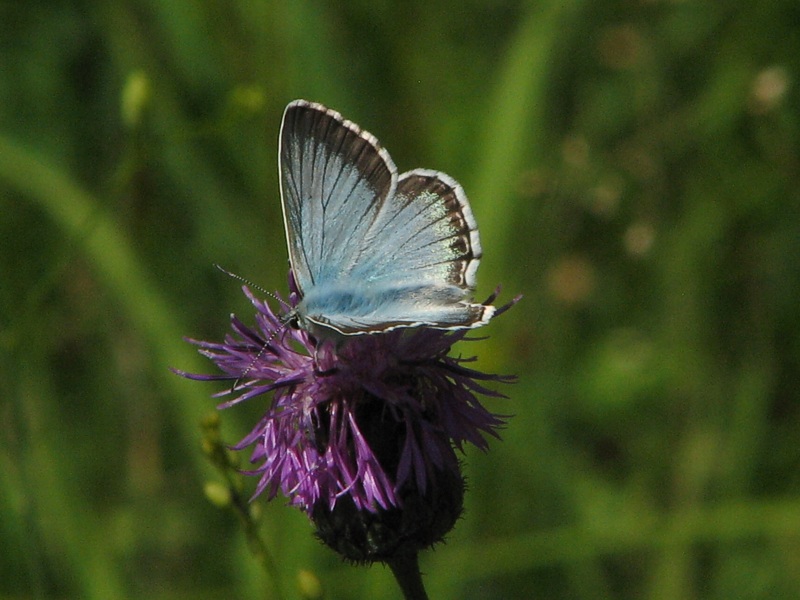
(372, 250)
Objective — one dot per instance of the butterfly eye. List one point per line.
(292, 320)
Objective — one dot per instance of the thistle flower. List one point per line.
(359, 433)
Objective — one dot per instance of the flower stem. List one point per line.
(217, 453)
(405, 568)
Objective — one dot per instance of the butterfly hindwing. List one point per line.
(428, 234)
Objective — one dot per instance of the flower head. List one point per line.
(364, 426)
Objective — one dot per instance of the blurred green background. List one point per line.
(635, 170)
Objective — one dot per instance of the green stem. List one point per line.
(256, 544)
(405, 569)
(217, 453)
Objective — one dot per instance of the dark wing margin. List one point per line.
(463, 240)
(427, 233)
(334, 179)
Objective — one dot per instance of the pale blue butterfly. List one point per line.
(372, 250)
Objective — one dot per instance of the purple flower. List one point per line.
(365, 425)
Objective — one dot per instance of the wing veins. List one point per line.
(331, 152)
(405, 244)
(436, 241)
(375, 234)
(409, 201)
(364, 177)
(293, 179)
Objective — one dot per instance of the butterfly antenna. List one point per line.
(284, 321)
(253, 285)
(256, 358)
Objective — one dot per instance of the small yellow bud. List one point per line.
(135, 97)
(248, 98)
(309, 585)
(217, 494)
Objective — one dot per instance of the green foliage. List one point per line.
(635, 170)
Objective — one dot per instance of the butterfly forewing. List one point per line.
(334, 179)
